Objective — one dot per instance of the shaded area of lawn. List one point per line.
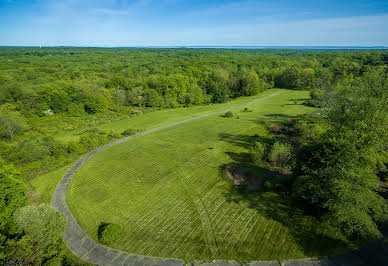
(315, 237)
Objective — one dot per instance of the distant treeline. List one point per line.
(75, 81)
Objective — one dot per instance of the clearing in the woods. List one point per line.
(169, 192)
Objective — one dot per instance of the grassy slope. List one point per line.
(167, 192)
(45, 184)
(160, 118)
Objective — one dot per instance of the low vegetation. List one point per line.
(108, 233)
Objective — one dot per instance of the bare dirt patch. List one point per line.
(242, 176)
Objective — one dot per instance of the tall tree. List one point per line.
(338, 173)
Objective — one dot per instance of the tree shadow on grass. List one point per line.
(280, 116)
(300, 219)
(244, 141)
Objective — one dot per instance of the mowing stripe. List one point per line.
(99, 253)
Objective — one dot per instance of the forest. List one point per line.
(335, 162)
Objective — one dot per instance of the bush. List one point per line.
(11, 123)
(257, 152)
(91, 141)
(75, 148)
(76, 110)
(12, 197)
(58, 149)
(43, 227)
(280, 155)
(246, 109)
(131, 131)
(228, 114)
(32, 150)
(113, 135)
(108, 233)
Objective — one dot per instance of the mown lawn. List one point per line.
(159, 118)
(45, 184)
(167, 191)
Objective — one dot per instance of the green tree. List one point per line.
(338, 173)
(43, 227)
(33, 150)
(60, 102)
(257, 152)
(12, 197)
(11, 123)
(151, 98)
(280, 155)
(75, 109)
(95, 103)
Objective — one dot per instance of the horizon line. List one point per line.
(207, 46)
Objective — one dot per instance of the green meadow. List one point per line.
(168, 192)
(150, 120)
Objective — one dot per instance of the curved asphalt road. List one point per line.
(84, 247)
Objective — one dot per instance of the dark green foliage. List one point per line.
(228, 114)
(108, 233)
(280, 155)
(75, 109)
(257, 152)
(33, 150)
(92, 141)
(246, 109)
(95, 103)
(41, 228)
(151, 98)
(131, 131)
(12, 197)
(60, 102)
(11, 122)
(338, 172)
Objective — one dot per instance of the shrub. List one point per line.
(91, 141)
(280, 155)
(228, 114)
(32, 150)
(11, 123)
(113, 135)
(58, 149)
(131, 131)
(12, 197)
(310, 132)
(75, 109)
(257, 152)
(108, 233)
(75, 148)
(43, 227)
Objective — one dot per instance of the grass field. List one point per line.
(167, 191)
(45, 184)
(159, 118)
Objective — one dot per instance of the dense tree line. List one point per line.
(337, 162)
(75, 81)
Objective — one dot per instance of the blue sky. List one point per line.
(194, 22)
